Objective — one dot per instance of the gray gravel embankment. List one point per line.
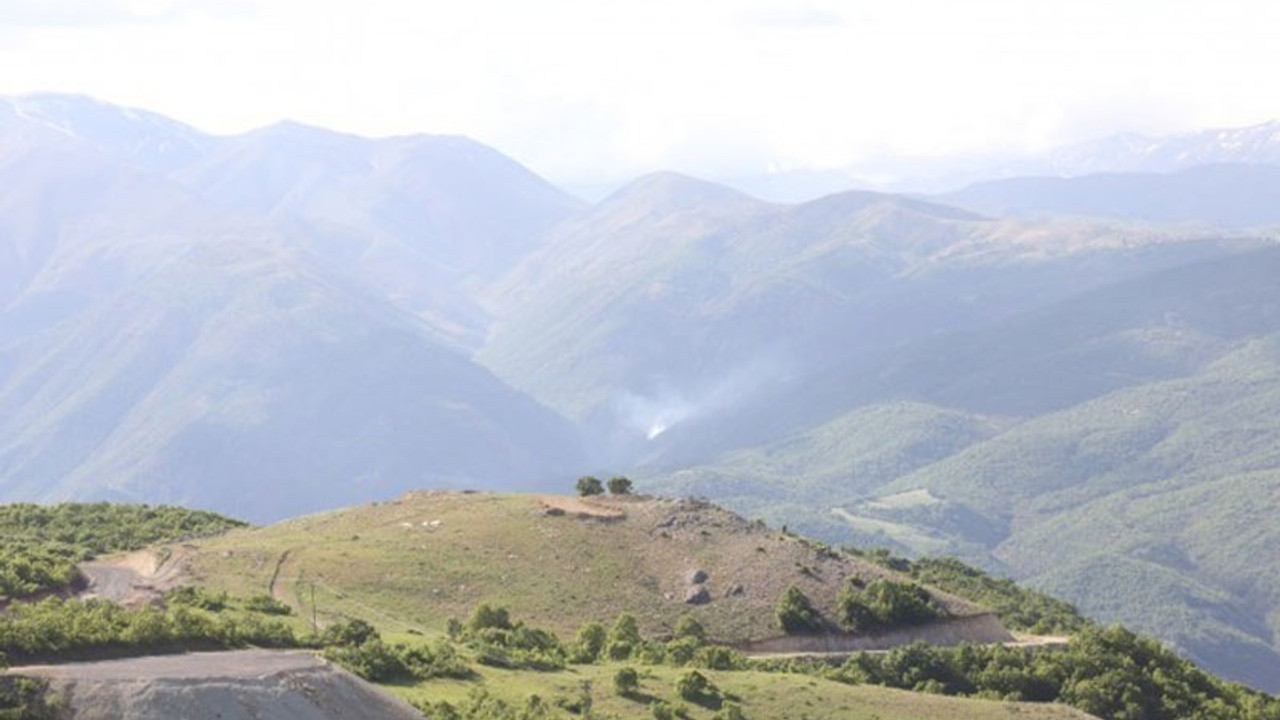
(237, 685)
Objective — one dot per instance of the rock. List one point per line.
(697, 596)
(697, 577)
(736, 591)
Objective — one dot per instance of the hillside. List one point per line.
(676, 302)
(1111, 440)
(291, 319)
(416, 562)
(238, 685)
(170, 331)
(1235, 196)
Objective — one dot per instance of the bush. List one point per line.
(624, 638)
(499, 642)
(348, 633)
(682, 650)
(688, 627)
(589, 643)
(371, 660)
(626, 681)
(619, 485)
(661, 710)
(719, 657)
(588, 485)
(267, 605)
(484, 617)
(886, 604)
(796, 614)
(729, 711)
(695, 687)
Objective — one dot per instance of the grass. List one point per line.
(414, 563)
(761, 695)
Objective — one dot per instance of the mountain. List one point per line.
(1129, 153)
(680, 302)
(164, 338)
(1236, 196)
(826, 365)
(1108, 446)
(293, 318)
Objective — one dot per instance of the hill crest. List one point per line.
(553, 561)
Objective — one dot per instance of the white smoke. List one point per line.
(656, 412)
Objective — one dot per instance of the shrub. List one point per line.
(589, 642)
(624, 638)
(688, 627)
(886, 604)
(695, 687)
(626, 681)
(267, 605)
(682, 650)
(796, 614)
(719, 657)
(588, 485)
(619, 485)
(661, 710)
(350, 633)
(729, 711)
(371, 660)
(484, 617)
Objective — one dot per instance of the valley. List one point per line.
(1071, 383)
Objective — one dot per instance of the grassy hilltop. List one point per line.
(416, 562)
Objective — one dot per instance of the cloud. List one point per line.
(36, 14)
(788, 17)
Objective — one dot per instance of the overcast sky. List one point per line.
(578, 89)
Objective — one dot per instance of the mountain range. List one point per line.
(1067, 380)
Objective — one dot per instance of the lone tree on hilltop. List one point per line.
(619, 485)
(588, 485)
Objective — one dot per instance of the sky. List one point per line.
(585, 91)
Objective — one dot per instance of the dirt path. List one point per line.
(272, 587)
(1019, 641)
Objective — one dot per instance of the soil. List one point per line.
(238, 685)
(136, 578)
(579, 507)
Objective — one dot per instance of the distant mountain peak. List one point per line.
(144, 138)
(675, 191)
(1257, 144)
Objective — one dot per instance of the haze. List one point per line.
(589, 94)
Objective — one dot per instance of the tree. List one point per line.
(485, 616)
(589, 642)
(588, 485)
(796, 614)
(624, 638)
(619, 485)
(626, 681)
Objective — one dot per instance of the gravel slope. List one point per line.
(238, 685)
